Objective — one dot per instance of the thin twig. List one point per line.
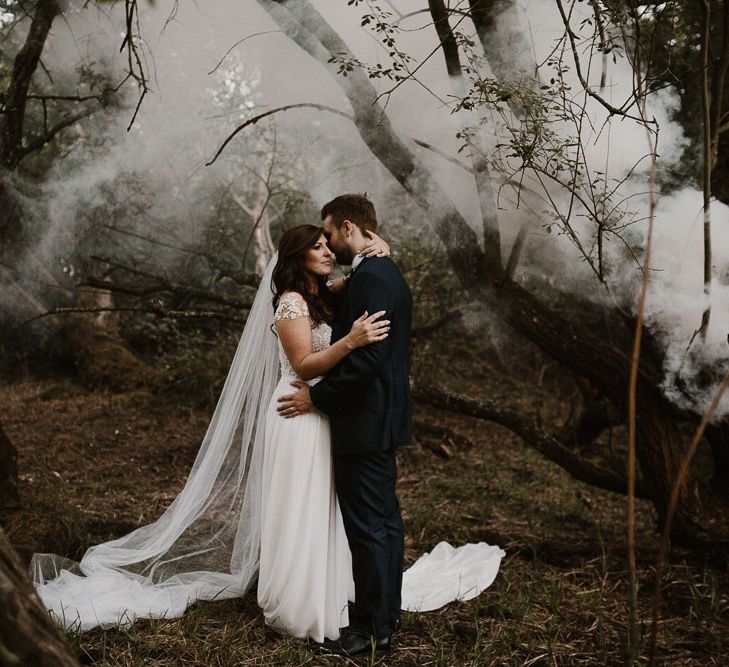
(640, 94)
(261, 116)
(613, 110)
(707, 166)
(160, 312)
(238, 43)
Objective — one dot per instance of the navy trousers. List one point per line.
(365, 486)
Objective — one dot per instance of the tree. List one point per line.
(594, 342)
(13, 148)
(28, 635)
(17, 140)
(32, 117)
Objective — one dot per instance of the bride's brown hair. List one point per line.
(289, 274)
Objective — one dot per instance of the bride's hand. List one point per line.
(366, 329)
(376, 247)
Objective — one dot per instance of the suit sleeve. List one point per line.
(363, 364)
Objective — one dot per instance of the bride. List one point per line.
(260, 496)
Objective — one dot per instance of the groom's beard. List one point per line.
(344, 256)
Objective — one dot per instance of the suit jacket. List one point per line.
(367, 395)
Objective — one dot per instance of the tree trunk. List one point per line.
(12, 121)
(16, 95)
(8, 472)
(718, 437)
(262, 244)
(660, 450)
(9, 213)
(28, 635)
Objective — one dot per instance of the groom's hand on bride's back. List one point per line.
(299, 403)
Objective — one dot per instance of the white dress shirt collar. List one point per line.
(356, 261)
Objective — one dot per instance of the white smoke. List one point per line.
(182, 122)
(619, 148)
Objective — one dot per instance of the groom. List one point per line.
(367, 399)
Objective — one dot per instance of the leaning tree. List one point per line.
(592, 340)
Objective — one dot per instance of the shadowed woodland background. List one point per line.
(534, 168)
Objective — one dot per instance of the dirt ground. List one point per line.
(96, 464)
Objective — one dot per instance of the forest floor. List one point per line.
(96, 464)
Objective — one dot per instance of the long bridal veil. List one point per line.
(206, 544)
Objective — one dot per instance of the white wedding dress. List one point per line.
(305, 571)
(260, 500)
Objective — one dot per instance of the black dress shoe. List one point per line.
(353, 643)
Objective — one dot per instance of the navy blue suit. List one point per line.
(367, 399)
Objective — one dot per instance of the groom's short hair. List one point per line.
(354, 207)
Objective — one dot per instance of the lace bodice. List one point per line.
(290, 307)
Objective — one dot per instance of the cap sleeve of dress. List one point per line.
(291, 306)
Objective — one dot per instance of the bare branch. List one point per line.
(532, 434)
(160, 285)
(707, 163)
(444, 155)
(613, 110)
(238, 43)
(157, 242)
(261, 116)
(154, 310)
(439, 13)
(26, 62)
(66, 98)
(39, 142)
(135, 67)
(436, 324)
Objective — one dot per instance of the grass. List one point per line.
(103, 463)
